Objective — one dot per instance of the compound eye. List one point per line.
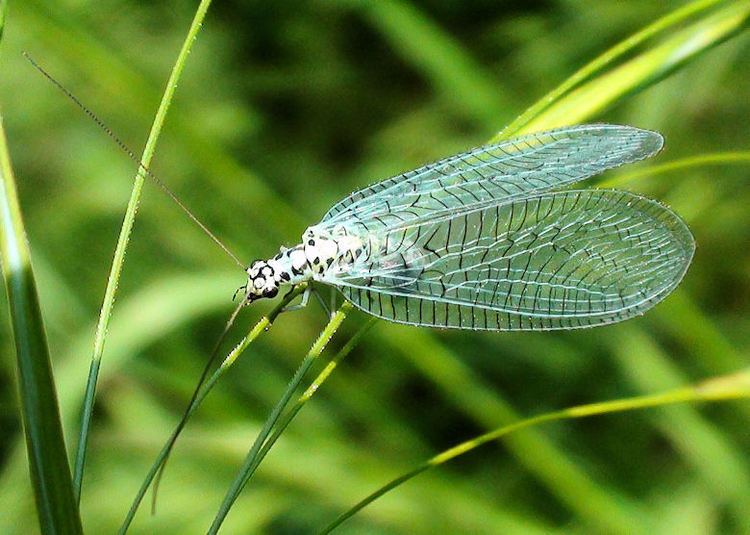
(271, 293)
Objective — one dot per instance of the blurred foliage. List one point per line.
(283, 109)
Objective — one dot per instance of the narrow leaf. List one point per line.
(262, 326)
(251, 461)
(122, 245)
(588, 71)
(644, 70)
(722, 388)
(48, 462)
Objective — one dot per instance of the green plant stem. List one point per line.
(310, 391)
(644, 70)
(56, 506)
(721, 388)
(599, 63)
(263, 325)
(250, 463)
(122, 244)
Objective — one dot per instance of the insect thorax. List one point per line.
(321, 251)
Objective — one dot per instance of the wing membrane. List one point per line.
(494, 173)
(551, 261)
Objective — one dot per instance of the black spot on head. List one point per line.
(285, 276)
(271, 293)
(316, 260)
(277, 257)
(311, 242)
(330, 261)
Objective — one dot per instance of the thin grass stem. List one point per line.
(287, 418)
(593, 67)
(49, 471)
(263, 325)
(721, 388)
(56, 506)
(122, 244)
(250, 463)
(196, 392)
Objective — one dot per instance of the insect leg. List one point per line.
(323, 305)
(302, 304)
(333, 300)
(305, 300)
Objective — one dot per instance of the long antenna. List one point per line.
(141, 167)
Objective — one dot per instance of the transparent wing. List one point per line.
(552, 261)
(494, 173)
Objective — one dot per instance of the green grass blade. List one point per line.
(610, 56)
(310, 390)
(48, 462)
(714, 457)
(72, 42)
(122, 244)
(722, 388)
(248, 466)
(263, 325)
(550, 464)
(644, 70)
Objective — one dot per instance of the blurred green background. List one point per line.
(283, 109)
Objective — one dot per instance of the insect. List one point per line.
(490, 240)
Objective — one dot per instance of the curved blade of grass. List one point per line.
(122, 244)
(250, 463)
(644, 70)
(583, 493)
(721, 388)
(56, 506)
(310, 391)
(260, 327)
(597, 65)
(73, 42)
(720, 463)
